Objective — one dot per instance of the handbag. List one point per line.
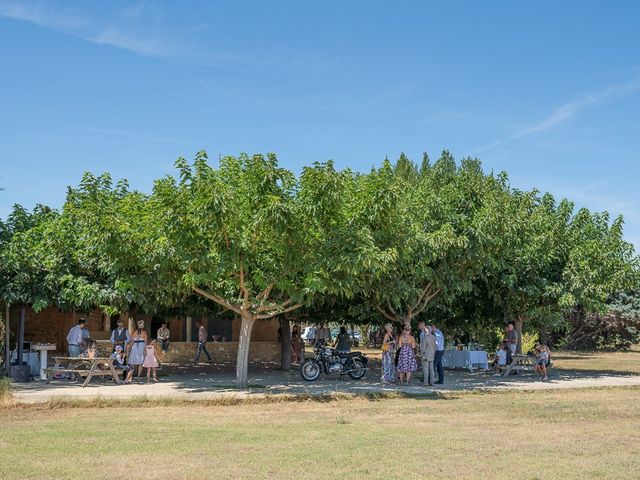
(387, 346)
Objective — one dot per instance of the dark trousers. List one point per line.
(165, 345)
(202, 347)
(438, 364)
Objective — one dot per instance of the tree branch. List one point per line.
(266, 308)
(264, 294)
(386, 314)
(264, 316)
(422, 295)
(393, 312)
(219, 300)
(243, 288)
(426, 301)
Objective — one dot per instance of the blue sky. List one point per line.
(548, 91)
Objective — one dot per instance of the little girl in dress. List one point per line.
(150, 361)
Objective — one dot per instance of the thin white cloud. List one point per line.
(39, 15)
(142, 46)
(569, 111)
(83, 28)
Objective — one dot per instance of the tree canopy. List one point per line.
(442, 239)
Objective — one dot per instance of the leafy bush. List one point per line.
(529, 341)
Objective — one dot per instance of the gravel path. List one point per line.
(206, 382)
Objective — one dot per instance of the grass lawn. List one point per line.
(619, 362)
(562, 434)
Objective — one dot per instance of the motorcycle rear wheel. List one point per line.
(310, 370)
(358, 369)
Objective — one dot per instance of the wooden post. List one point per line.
(189, 326)
(106, 325)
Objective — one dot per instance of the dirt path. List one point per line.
(206, 383)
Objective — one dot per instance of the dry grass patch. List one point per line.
(563, 434)
(614, 362)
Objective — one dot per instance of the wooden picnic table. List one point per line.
(83, 367)
(521, 362)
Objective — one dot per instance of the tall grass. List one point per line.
(5, 391)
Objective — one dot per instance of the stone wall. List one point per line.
(222, 352)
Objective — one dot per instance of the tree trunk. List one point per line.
(285, 343)
(7, 341)
(517, 323)
(242, 364)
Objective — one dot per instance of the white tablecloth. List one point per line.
(465, 359)
(31, 359)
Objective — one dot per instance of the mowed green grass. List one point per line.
(562, 434)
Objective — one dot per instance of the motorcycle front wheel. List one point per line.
(358, 370)
(310, 370)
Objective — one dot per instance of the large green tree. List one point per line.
(438, 221)
(233, 235)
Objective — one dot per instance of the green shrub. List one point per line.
(529, 341)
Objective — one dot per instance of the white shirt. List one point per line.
(439, 339)
(501, 355)
(76, 335)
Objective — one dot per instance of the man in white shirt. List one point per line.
(439, 353)
(76, 338)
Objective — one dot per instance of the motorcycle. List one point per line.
(333, 362)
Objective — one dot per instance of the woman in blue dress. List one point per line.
(407, 363)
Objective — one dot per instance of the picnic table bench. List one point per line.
(84, 367)
(520, 363)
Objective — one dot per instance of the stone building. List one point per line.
(52, 325)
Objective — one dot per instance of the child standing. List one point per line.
(150, 361)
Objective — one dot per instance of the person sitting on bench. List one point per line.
(500, 360)
(542, 361)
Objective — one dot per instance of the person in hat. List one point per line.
(118, 360)
(120, 336)
(76, 338)
(137, 349)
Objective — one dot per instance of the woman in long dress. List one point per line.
(388, 355)
(407, 363)
(136, 350)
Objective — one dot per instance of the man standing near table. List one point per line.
(120, 336)
(511, 338)
(76, 338)
(439, 337)
(427, 353)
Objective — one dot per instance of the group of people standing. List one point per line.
(400, 351)
(130, 350)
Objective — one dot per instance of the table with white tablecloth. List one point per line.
(465, 359)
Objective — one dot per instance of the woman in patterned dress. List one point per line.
(388, 355)
(407, 363)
